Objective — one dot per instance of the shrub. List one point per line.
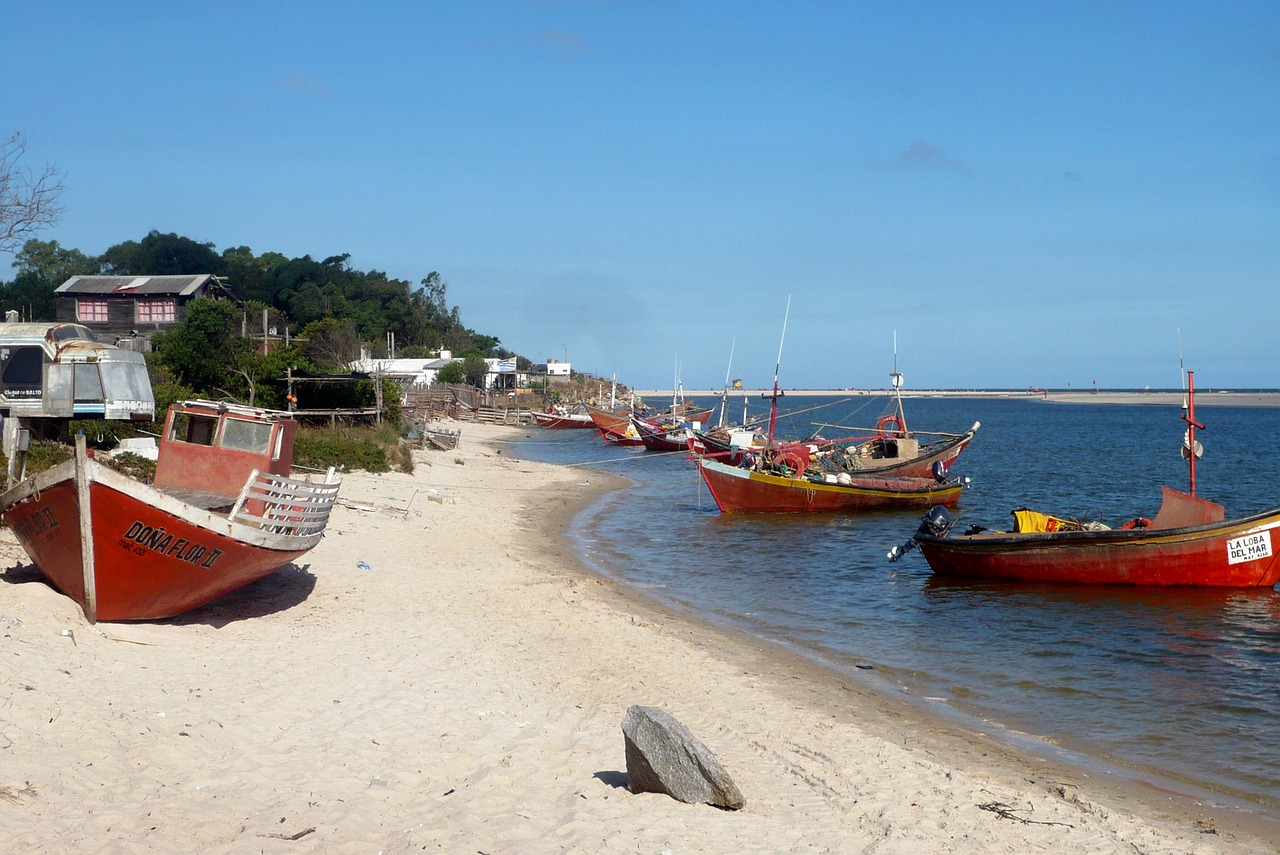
(367, 448)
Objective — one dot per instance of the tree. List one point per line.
(42, 267)
(475, 369)
(203, 349)
(451, 373)
(331, 343)
(162, 255)
(28, 200)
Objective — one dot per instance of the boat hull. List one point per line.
(1233, 554)
(152, 556)
(615, 425)
(563, 421)
(738, 490)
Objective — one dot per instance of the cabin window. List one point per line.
(23, 373)
(88, 383)
(70, 332)
(156, 310)
(197, 430)
(246, 436)
(92, 309)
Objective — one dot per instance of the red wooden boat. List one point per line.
(889, 471)
(663, 436)
(615, 425)
(1187, 543)
(223, 512)
(776, 488)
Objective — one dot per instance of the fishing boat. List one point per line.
(781, 477)
(659, 435)
(224, 511)
(615, 426)
(777, 488)
(560, 418)
(1189, 542)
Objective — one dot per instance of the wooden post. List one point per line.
(86, 530)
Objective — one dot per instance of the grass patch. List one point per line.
(371, 449)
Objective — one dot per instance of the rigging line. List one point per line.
(648, 455)
(873, 430)
(787, 414)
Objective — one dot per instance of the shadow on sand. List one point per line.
(289, 586)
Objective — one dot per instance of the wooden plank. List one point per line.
(86, 531)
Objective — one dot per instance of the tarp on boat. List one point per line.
(1027, 521)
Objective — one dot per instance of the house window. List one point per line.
(156, 310)
(91, 309)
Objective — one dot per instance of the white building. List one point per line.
(407, 372)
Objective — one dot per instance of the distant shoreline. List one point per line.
(1223, 397)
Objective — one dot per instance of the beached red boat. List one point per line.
(223, 512)
(1189, 542)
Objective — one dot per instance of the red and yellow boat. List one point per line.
(1188, 543)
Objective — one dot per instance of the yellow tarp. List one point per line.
(1029, 521)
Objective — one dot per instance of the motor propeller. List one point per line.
(937, 521)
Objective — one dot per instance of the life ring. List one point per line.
(796, 461)
(882, 427)
(1136, 522)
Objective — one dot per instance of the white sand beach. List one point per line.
(441, 674)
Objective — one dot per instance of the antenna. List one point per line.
(1182, 372)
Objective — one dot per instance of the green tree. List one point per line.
(475, 369)
(454, 372)
(42, 267)
(331, 343)
(255, 377)
(162, 255)
(204, 348)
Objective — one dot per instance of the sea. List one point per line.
(1179, 687)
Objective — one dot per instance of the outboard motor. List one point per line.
(939, 471)
(937, 522)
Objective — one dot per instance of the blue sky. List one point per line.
(1029, 194)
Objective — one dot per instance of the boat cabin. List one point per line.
(211, 448)
(50, 370)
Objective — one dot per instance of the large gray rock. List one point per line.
(664, 757)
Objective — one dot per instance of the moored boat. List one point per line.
(615, 425)
(1189, 542)
(781, 487)
(224, 511)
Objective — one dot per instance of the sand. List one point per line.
(442, 675)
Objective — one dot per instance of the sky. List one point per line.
(985, 194)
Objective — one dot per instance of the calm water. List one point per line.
(1185, 683)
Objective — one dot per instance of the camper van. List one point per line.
(51, 370)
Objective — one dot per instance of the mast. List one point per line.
(896, 378)
(724, 401)
(1189, 448)
(773, 408)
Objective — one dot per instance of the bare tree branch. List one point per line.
(28, 200)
